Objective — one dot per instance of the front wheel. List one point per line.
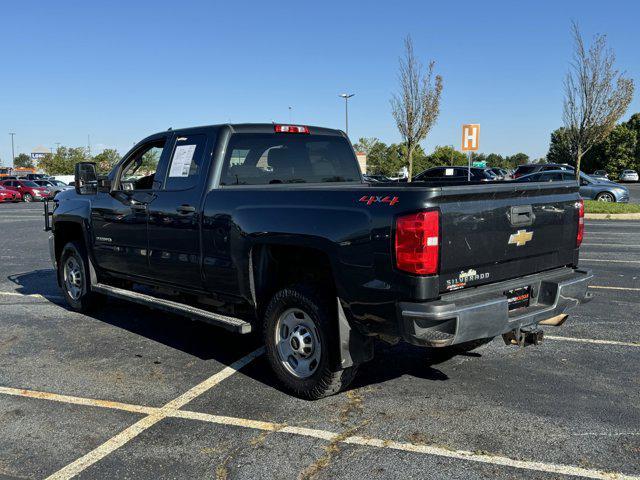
(73, 276)
(27, 197)
(605, 197)
(300, 336)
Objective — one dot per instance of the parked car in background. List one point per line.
(540, 167)
(600, 175)
(53, 186)
(629, 176)
(590, 188)
(500, 173)
(376, 178)
(36, 176)
(29, 190)
(456, 173)
(7, 195)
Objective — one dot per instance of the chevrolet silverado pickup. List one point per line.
(270, 228)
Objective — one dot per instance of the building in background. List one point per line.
(362, 161)
(38, 153)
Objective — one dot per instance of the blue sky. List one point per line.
(121, 70)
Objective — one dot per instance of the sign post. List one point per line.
(470, 142)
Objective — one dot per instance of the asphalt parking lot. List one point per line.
(634, 192)
(133, 393)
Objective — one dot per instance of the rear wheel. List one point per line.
(605, 197)
(73, 275)
(27, 197)
(300, 334)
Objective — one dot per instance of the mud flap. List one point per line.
(354, 348)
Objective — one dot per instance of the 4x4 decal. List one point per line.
(369, 199)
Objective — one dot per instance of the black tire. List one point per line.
(86, 300)
(27, 198)
(606, 197)
(327, 378)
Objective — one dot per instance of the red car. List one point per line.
(29, 190)
(7, 195)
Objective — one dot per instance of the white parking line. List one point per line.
(143, 424)
(593, 340)
(608, 260)
(602, 287)
(610, 245)
(31, 295)
(154, 415)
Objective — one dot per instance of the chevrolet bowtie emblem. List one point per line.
(520, 238)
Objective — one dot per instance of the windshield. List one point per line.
(29, 184)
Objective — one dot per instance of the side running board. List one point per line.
(230, 323)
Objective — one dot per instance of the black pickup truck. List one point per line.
(262, 227)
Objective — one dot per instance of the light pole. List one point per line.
(290, 108)
(346, 97)
(13, 153)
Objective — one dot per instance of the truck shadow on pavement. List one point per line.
(207, 342)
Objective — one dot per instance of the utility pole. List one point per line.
(346, 97)
(13, 152)
(290, 108)
(89, 145)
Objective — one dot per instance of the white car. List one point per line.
(629, 176)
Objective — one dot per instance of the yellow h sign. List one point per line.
(470, 137)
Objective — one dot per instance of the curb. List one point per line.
(612, 216)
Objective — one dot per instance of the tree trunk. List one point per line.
(410, 155)
(578, 160)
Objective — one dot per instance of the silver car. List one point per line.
(53, 186)
(629, 176)
(590, 188)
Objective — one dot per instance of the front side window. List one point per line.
(283, 158)
(139, 172)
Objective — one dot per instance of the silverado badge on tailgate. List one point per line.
(520, 238)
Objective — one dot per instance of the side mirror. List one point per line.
(86, 178)
(104, 184)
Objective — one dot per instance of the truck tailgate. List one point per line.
(497, 232)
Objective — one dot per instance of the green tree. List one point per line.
(497, 160)
(23, 161)
(63, 161)
(447, 155)
(376, 159)
(634, 125)
(615, 153)
(517, 159)
(106, 160)
(366, 144)
(559, 148)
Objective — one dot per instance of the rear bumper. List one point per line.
(483, 312)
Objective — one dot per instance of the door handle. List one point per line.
(138, 206)
(186, 209)
(522, 215)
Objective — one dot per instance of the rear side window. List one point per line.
(271, 159)
(186, 163)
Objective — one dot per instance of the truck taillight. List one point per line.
(580, 234)
(291, 129)
(417, 242)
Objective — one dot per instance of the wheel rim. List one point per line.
(298, 343)
(73, 278)
(27, 198)
(605, 197)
